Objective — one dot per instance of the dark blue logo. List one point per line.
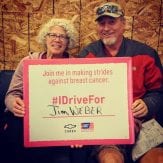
(87, 125)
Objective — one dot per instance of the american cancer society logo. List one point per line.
(87, 126)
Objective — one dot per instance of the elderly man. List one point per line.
(147, 72)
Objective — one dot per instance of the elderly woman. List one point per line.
(56, 36)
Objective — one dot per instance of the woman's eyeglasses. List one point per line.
(110, 9)
(59, 36)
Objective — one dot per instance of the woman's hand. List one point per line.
(18, 107)
(139, 108)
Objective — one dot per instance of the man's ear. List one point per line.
(123, 20)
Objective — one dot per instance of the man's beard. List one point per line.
(109, 41)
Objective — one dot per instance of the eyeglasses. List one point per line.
(110, 9)
(55, 36)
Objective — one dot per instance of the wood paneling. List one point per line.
(23, 18)
(145, 31)
(36, 20)
(31, 6)
(1, 40)
(15, 27)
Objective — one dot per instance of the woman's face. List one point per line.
(56, 42)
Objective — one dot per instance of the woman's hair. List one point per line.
(67, 25)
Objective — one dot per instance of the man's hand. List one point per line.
(139, 108)
(18, 107)
(76, 146)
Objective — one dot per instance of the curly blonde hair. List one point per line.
(66, 24)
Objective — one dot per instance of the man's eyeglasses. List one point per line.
(110, 9)
(55, 36)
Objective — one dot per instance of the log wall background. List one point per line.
(20, 21)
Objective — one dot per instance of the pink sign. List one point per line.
(78, 101)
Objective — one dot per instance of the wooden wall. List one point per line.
(21, 19)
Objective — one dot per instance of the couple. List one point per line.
(59, 35)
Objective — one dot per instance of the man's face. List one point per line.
(110, 29)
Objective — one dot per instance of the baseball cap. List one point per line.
(109, 9)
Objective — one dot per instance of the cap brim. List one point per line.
(108, 14)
